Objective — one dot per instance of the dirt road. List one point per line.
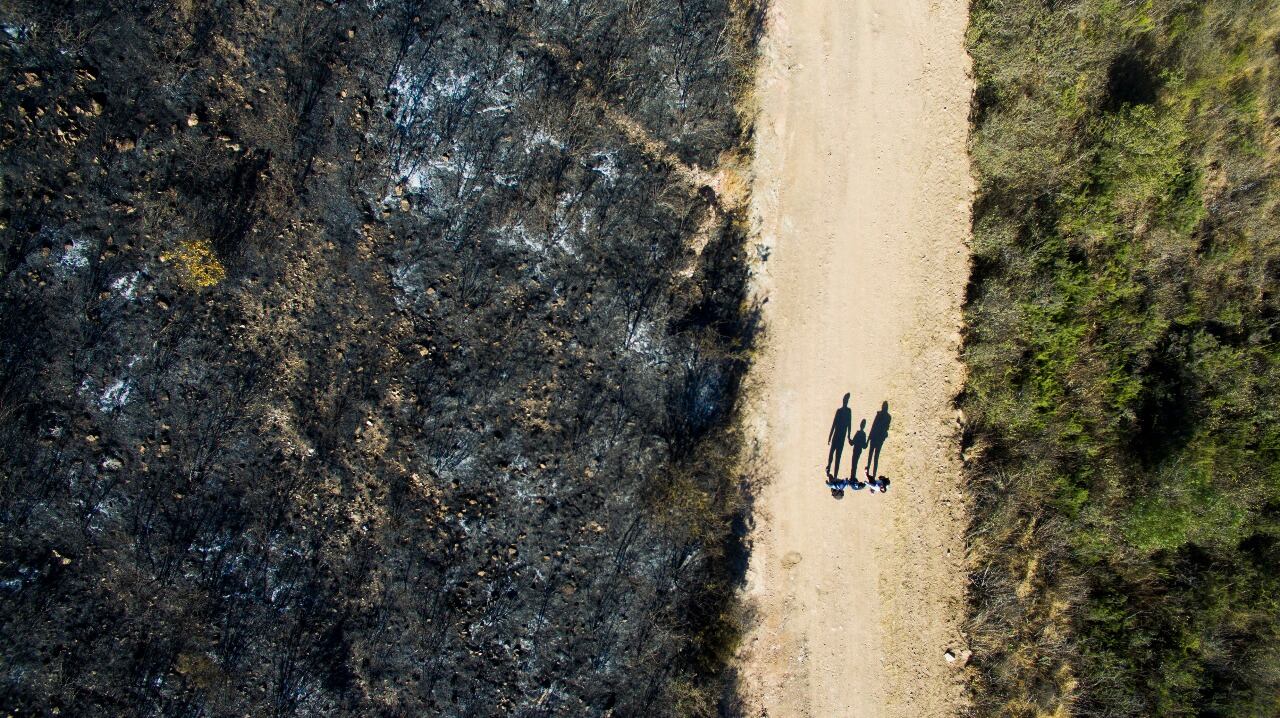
(861, 200)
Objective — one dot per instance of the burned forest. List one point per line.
(372, 358)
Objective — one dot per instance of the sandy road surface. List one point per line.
(861, 197)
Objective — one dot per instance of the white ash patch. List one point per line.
(126, 285)
(519, 237)
(408, 280)
(456, 464)
(607, 165)
(441, 183)
(644, 341)
(74, 257)
(563, 221)
(115, 396)
(542, 137)
(25, 574)
(18, 34)
(445, 173)
(418, 96)
(103, 515)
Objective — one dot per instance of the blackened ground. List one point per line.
(354, 362)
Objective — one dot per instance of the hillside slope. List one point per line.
(1124, 371)
(369, 358)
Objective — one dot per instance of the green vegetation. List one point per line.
(1121, 410)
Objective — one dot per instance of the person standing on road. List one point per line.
(839, 434)
(879, 432)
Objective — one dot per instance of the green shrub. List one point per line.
(1121, 341)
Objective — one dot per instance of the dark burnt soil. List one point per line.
(349, 364)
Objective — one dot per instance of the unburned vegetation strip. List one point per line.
(1122, 428)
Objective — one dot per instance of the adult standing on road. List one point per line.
(879, 432)
(839, 434)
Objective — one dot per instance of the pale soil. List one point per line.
(861, 195)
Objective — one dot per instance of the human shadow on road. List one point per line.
(876, 438)
(839, 434)
(859, 442)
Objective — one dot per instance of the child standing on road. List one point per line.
(881, 484)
